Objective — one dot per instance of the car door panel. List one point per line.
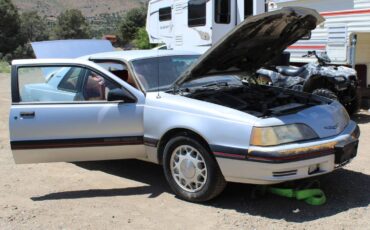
(75, 131)
(77, 154)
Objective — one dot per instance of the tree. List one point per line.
(71, 24)
(141, 40)
(33, 27)
(22, 52)
(130, 24)
(9, 27)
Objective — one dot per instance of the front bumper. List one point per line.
(270, 165)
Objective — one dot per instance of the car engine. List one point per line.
(258, 100)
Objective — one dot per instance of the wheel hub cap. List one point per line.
(188, 168)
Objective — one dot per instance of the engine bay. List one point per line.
(258, 100)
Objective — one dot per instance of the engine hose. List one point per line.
(310, 196)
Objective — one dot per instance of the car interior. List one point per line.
(94, 88)
(125, 76)
(120, 70)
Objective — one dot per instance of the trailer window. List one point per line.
(165, 14)
(222, 11)
(248, 8)
(197, 13)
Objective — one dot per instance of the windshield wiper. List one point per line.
(161, 88)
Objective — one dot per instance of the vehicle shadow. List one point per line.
(345, 189)
(146, 173)
(361, 118)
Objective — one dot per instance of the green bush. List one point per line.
(131, 22)
(141, 40)
(4, 67)
(71, 24)
(10, 23)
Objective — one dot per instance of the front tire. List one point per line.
(354, 106)
(192, 173)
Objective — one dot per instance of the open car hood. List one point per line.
(254, 43)
(70, 48)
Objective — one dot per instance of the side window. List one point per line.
(71, 80)
(222, 11)
(197, 13)
(248, 8)
(62, 84)
(120, 70)
(96, 87)
(165, 14)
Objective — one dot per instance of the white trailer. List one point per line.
(196, 24)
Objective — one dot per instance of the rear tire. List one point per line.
(325, 93)
(190, 170)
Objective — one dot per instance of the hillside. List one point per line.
(90, 8)
(103, 15)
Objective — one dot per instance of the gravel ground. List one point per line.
(133, 195)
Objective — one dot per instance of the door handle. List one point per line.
(27, 114)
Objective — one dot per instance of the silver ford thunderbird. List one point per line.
(204, 118)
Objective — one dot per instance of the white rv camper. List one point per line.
(196, 24)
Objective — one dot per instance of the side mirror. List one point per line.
(324, 57)
(120, 95)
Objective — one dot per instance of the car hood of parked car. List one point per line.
(254, 43)
(73, 48)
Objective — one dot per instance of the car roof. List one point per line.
(131, 55)
(119, 55)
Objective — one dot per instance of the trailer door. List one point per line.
(337, 45)
(224, 18)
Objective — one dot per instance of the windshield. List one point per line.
(159, 73)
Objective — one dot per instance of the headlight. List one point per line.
(340, 79)
(277, 135)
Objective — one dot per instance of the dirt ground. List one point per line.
(134, 195)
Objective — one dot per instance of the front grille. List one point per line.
(285, 173)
